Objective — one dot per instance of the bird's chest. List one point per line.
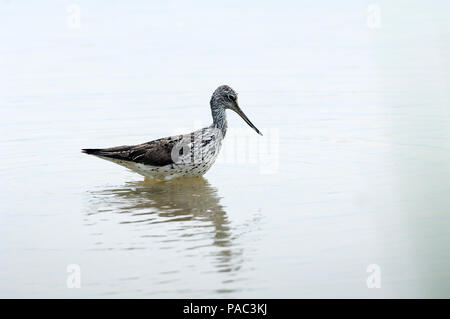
(202, 154)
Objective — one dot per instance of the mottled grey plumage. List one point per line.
(181, 155)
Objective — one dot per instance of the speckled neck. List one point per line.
(219, 116)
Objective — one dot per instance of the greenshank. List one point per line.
(181, 155)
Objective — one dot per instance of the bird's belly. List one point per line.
(196, 162)
(188, 167)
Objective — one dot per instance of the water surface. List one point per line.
(352, 170)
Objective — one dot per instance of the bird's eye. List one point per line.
(232, 97)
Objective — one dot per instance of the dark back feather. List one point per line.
(155, 153)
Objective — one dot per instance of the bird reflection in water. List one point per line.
(173, 213)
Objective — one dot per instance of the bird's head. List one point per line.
(225, 97)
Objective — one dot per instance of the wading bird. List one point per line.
(181, 155)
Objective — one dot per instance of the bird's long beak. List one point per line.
(238, 110)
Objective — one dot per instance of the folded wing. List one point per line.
(155, 153)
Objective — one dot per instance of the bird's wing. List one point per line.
(155, 153)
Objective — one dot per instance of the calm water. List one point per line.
(353, 168)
